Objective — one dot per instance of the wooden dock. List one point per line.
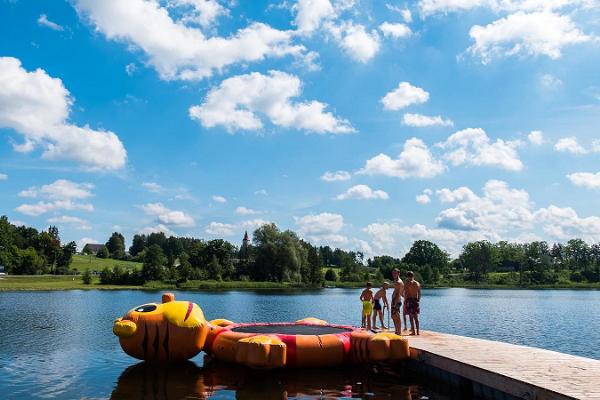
(519, 371)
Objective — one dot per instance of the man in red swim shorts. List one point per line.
(412, 297)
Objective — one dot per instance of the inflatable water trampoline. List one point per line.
(177, 330)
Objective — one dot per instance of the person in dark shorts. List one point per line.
(412, 297)
(397, 300)
(380, 296)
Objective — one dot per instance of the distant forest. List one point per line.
(282, 256)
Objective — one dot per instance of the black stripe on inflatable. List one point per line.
(156, 341)
(166, 342)
(145, 340)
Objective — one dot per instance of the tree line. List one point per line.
(282, 256)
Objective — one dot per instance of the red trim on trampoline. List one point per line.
(290, 342)
(345, 339)
(211, 340)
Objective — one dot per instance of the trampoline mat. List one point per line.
(292, 329)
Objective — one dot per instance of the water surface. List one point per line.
(60, 345)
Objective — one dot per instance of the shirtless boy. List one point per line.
(367, 300)
(380, 296)
(397, 300)
(412, 297)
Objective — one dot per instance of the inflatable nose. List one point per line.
(124, 328)
(167, 297)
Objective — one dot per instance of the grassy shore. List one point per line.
(70, 282)
(82, 263)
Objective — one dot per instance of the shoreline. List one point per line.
(69, 282)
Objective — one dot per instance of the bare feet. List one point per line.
(412, 333)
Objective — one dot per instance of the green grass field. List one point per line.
(81, 263)
(52, 282)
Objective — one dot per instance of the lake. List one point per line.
(60, 344)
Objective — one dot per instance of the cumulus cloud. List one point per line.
(219, 199)
(311, 13)
(322, 228)
(200, 12)
(37, 106)
(180, 51)
(424, 198)
(536, 137)
(336, 176)
(461, 194)
(159, 228)
(246, 211)
(588, 180)
(62, 194)
(44, 21)
(237, 102)
(395, 30)
(415, 161)
(428, 7)
(537, 33)
(569, 145)
(403, 96)
(549, 81)
(472, 146)
(3, 177)
(564, 223)
(78, 223)
(424, 121)
(358, 42)
(220, 229)
(363, 192)
(152, 187)
(168, 217)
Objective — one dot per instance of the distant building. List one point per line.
(92, 248)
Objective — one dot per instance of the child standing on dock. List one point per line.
(367, 306)
(380, 296)
(397, 300)
(412, 297)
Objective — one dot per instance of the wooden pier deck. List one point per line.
(520, 371)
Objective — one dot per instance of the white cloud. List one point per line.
(536, 137)
(311, 13)
(219, 199)
(596, 146)
(38, 107)
(245, 211)
(79, 223)
(131, 68)
(537, 33)
(472, 146)
(152, 187)
(363, 192)
(201, 12)
(44, 21)
(180, 51)
(336, 176)
(457, 195)
(403, 96)
(428, 7)
(415, 160)
(83, 241)
(237, 101)
(395, 30)
(157, 229)
(220, 229)
(167, 216)
(423, 121)
(355, 40)
(261, 192)
(322, 228)
(253, 224)
(549, 81)
(585, 179)
(62, 194)
(564, 223)
(423, 198)
(404, 12)
(569, 145)
(3, 177)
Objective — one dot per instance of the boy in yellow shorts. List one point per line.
(367, 306)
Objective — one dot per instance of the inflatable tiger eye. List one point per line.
(173, 330)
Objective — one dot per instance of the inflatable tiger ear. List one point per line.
(172, 330)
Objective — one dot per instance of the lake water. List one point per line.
(60, 344)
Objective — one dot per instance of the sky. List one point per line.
(360, 124)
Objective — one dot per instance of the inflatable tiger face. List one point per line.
(173, 330)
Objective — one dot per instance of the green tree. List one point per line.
(138, 245)
(87, 277)
(103, 252)
(425, 253)
(330, 275)
(63, 261)
(185, 267)
(116, 246)
(154, 262)
(478, 258)
(214, 269)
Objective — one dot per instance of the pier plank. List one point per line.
(520, 371)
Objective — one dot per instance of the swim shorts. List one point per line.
(377, 305)
(367, 308)
(396, 308)
(412, 306)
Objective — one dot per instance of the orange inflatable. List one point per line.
(177, 330)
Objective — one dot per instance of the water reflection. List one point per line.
(219, 380)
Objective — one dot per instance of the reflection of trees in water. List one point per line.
(188, 381)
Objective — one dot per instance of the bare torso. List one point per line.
(398, 291)
(412, 290)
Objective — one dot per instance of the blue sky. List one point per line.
(360, 124)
